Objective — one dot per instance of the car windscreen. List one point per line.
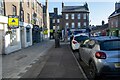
(81, 38)
(110, 45)
(77, 32)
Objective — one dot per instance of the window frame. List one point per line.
(73, 25)
(28, 17)
(1, 7)
(53, 20)
(72, 16)
(79, 24)
(84, 16)
(84, 24)
(79, 16)
(14, 9)
(66, 16)
(28, 3)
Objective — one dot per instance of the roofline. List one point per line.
(75, 11)
(75, 6)
(114, 15)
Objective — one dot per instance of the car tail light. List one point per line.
(100, 55)
(74, 42)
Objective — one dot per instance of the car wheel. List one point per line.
(93, 71)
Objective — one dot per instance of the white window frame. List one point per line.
(72, 16)
(58, 27)
(53, 20)
(67, 25)
(66, 16)
(58, 20)
(54, 27)
(116, 23)
(84, 16)
(79, 24)
(85, 24)
(1, 7)
(14, 10)
(79, 16)
(73, 25)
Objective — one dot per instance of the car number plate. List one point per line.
(117, 65)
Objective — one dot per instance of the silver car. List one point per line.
(102, 55)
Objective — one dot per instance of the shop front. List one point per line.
(26, 34)
(115, 32)
(36, 34)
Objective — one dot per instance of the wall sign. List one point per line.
(13, 22)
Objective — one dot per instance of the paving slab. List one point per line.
(58, 63)
(16, 62)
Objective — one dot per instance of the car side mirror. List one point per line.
(90, 46)
(82, 45)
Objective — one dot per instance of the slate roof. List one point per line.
(115, 13)
(53, 15)
(75, 9)
(100, 28)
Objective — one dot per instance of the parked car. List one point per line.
(76, 40)
(102, 55)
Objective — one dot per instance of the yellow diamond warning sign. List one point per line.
(13, 21)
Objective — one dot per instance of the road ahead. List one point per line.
(49, 63)
(57, 63)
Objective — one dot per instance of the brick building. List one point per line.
(55, 22)
(114, 21)
(75, 17)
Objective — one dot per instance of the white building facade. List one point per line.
(10, 39)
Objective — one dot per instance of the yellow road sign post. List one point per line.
(13, 21)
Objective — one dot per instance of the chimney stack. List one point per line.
(62, 4)
(55, 10)
(103, 22)
(117, 5)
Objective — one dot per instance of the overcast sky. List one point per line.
(99, 9)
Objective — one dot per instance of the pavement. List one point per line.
(16, 62)
(57, 63)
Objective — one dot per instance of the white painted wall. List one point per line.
(1, 43)
(24, 40)
(28, 43)
(8, 49)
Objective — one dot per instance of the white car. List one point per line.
(75, 42)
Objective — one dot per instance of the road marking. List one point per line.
(79, 66)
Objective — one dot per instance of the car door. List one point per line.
(83, 49)
(86, 50)
(89, 50)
